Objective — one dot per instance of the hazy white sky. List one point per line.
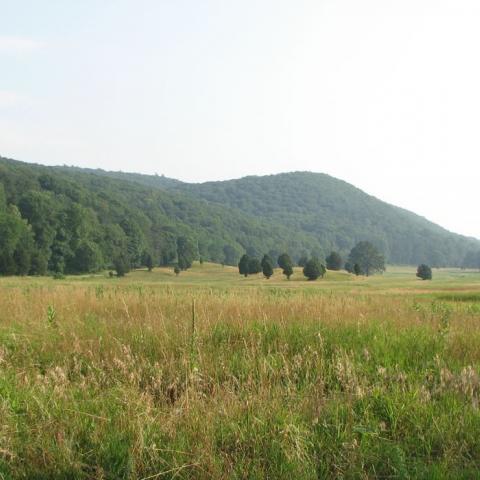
(384, 94)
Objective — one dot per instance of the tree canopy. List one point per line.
(72, 220)
(424, 272)
(334, 261)
(314, 269)
(368, 259)
(267, 266)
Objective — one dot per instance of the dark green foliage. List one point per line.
(334, 261)
(283, 260)
(424, 272)
(349, 267)
(135, 241)
(243, 265)
(254, 266)
(87, 258)
(148, 261)
(121, 265)
(176, 270)
(187, 252)
(357, 270)
(314, 269)
(286, 264)
(16, 243)
(267, 267)
(335, 214)
(368, 259)
(288, 271)
(68, 210)
(266, 259)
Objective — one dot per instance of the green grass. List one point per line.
(340, 378)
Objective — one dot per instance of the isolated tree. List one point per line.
(267, 267)
(121, 265)
(243, 265)
(288, 271)
(176, 270)
(283, 260)
(357, 270)
(424, 272)
(266, 259)
(367, 257)
(183, 263)
(286, 264)
(314, 269)
(254, 266)
(334, 261)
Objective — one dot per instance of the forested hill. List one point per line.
(338, 215)
(72, 220)
(335, 212)
(59, 219)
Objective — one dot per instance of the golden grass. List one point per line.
(349, 378)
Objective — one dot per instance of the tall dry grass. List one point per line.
(121, 382)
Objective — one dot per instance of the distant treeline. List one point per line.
(65, 220)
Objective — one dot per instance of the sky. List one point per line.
(384, 94)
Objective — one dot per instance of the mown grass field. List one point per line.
(211, 375)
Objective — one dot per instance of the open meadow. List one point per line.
(213, 375)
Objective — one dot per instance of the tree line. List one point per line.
(65, 221)
(364, 259)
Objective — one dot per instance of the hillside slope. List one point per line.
(65, 219)
(338, 215)
(74, 220)
(335, 212)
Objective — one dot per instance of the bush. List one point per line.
(424, 272)
(121, 266)
(314, 269)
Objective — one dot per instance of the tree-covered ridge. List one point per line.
(71, 221)
(339, 215)
(157, 181)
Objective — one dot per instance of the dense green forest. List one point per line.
(336, 213)
(72, 220)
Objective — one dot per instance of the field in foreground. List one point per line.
(340, 378)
